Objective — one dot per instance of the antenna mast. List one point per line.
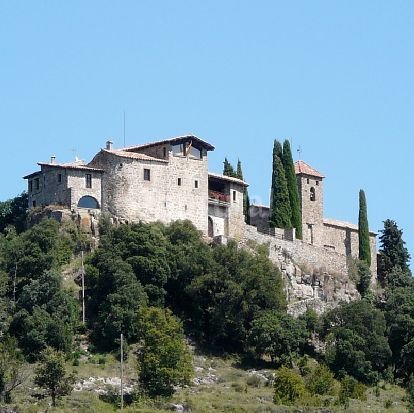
(124, 130)
(83, 290)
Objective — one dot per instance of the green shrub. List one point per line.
(320, 381)
(289, 386)
(351, 389)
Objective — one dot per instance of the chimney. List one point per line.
(109, 145)
(53, 159)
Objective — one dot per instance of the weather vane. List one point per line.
(299, 150)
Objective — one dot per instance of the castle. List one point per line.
(169, 180)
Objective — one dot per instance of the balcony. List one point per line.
(218, 197)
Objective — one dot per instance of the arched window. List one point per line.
(88, 202)
(312, 194)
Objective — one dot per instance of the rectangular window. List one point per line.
(317, 183)
(88, 180)
(196, 184)
(234, 196)
(147, 174)
(59, 177)
(30, 186)
(37, 183)
(165, 152)
(179, 181)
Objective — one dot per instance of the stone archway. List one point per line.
(88, 202)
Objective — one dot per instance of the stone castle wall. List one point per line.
(129, 197)
(311, 258)
(345, 241)
(315, 278)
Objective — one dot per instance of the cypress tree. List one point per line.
(239, 172)
(296, 217)
(280, 206)
(246, 198)
(363, 230)
(277, 152)
(247, 214)
(228, 169)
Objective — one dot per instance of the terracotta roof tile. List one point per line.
(303, 168)
(78, 165)
(133, 155)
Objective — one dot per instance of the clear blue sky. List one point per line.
(336, 77)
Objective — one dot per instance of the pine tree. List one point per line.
(393, 254)
(296, 217)
(363, 230)
(228, 169)
(280, 206)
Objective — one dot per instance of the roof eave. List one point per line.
(205, 144)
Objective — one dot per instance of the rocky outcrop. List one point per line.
(315, 278)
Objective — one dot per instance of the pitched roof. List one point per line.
(133, 155)
(260, 206)
(302, 168)
(227, 178)
(204, 144)
(77, 165)
(343, 224)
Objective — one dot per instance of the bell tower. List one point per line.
(310, 188)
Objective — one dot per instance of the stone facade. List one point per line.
(65, 185)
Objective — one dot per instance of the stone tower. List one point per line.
(310, 186)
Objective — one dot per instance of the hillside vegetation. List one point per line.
(205, 327)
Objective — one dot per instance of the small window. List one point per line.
(307, 181)
(59, 178)
(234, 196)
(34, 204)
(179, 181)
(317, 183)
(312, 194)
(30, 186)
(164, 149)
(147, 174)
(196, 184)
(37, 183)
(88, 180)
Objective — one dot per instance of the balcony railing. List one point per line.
(219, 196)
